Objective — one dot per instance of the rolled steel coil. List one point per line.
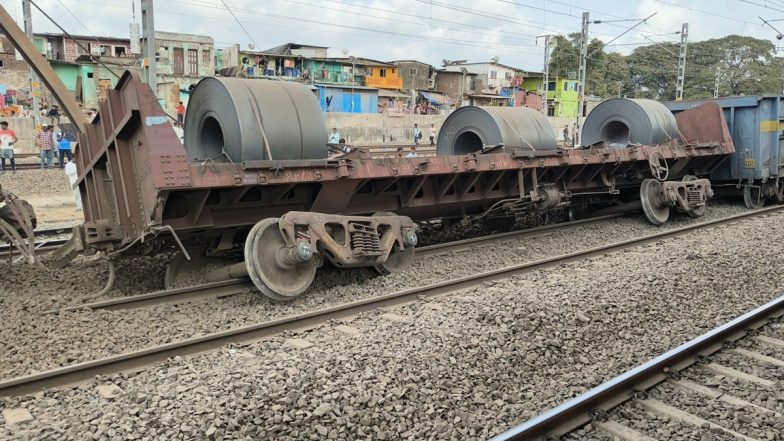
(231, 120)
(472, 128)
(624, 121)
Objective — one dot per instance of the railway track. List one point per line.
(676, 389)
(45, 245)
(237, 286)
(139, 359)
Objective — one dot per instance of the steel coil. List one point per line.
(624, 121)
(469, 129)
(229, 119)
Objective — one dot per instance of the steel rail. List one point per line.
(48, 245)
(237, 286)
(139, 359)
(580, 410)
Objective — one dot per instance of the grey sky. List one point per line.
(428, 30)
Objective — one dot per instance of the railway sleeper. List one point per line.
(281, 255)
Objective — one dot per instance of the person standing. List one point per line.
(181, 113)
(73, 176)
(417, 134)
(64, 149)
(334, 137)
(7, 140)
(43, 140)
(432, 132)
(566, 135)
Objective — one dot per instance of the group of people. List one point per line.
(432, 132)
(47, 141)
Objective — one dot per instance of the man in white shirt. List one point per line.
(334, 137)
(412, 153)
(70, 171)
(417, 134)
(7, 140)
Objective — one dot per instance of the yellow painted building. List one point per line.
(383, 76)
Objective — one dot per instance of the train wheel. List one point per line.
(656, 210)
(397, 260)
(272, 274)
(754, 196)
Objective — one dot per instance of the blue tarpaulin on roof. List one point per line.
(435, 98)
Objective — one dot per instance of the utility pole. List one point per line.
(546, 73)
(682, 62)
(718, 79)
(581, 77)
(35, 85)
(148, 35)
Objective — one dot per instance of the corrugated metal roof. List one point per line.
(392, 94)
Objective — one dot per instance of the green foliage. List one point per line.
(748, 66)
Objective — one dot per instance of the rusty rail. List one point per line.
(138, 359)
(578, 411)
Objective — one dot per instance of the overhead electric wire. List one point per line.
(77, 43)
(529, 23)
(390, 11)
(386, 34)
(762, 6)
(210, 5)
(239, 23)
(397, 20)
(713, 14)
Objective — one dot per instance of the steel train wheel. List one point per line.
(754, 196)
(271, 276)
(397, 260)
(650, 196)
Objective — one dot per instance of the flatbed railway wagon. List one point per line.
(252, 179)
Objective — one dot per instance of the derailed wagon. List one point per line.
(250, 180)
(143, 194)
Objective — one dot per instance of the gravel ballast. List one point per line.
(461, 366)
(38, 342)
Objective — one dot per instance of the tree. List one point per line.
(565, 62)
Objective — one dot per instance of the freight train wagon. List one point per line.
(755, 124)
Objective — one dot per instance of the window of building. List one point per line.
(566, 86)
(2, 63)
(574, 86)
(89, 74)
(205, 56)
(119, 51)
(106, 50)
(193, 62)
(412, 71)
(551, 86)
(382, 73)
(179, 61)
(509, 75)
(493, 74)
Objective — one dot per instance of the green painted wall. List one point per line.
(562, 94)
(334, 72)
(69, 73)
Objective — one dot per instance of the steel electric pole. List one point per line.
(35, 85)
(682, 62)
(581, 76)
(149, 50)
(546, 73)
